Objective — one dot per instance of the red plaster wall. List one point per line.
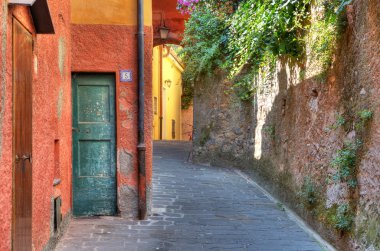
(5, 139)
(52, 121)
(110, 48)
(48, 82)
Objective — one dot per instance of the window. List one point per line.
(173, 129)
(155, 106)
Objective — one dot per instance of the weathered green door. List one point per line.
(94, 170)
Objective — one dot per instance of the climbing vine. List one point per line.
(261, 30)
(205, 43)
(345, 163)
(233, 34)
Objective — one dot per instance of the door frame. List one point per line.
(116, 107)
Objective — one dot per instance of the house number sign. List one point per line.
(126, 76)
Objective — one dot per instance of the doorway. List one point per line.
(22, 129)
(94, 144)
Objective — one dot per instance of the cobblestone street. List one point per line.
(194, 208)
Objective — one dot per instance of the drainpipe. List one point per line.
(161, 116)
(141, 141)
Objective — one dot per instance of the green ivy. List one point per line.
(324, 33)
(236, 34)
(308, 193)
(365, 115)
(204, 49)
(341, 217)
(345, 164)
(262, 29)
(205, 135)
(339, 122)
(362, 118)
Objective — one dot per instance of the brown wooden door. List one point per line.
(22, 105)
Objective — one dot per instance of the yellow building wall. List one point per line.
(171, 94)
(156, 92)
(122, 12)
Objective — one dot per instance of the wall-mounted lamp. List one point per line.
(23, 2)
(168, 83)
(164, 32)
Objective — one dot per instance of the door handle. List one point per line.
(75, 129)
(23, 158)
(27, 157)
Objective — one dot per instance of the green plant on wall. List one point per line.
(341, 217)
(271, 131)
(324, 33)
(235, 34)
(345, 163)
(244, 87)
(339, 122)
(308, 193)
(204, 45)
(261, 30)
(363, 117)
(205, 135)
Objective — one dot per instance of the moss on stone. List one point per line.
(205, 135)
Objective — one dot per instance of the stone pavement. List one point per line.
(195, 208)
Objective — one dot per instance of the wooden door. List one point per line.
(94, 168)
(22, 127)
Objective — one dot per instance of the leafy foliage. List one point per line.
(205, 135)
(340, 121)
(204, 45)
(309, 193)
(234, 34)
(244, 87)
(266, 28)
(363, 117)
(345, 164)
(324, 33)
(219, 7)
(342, 217)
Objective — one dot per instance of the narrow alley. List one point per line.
(194, 208)
(189, 125)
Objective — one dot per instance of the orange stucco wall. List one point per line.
(109, 49)
(5, 139)
(73, 48)
(117, 12)
(51, 121)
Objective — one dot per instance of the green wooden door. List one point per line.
(94, 170)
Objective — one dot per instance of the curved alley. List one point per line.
(194, 208)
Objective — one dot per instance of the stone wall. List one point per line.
(288, 135)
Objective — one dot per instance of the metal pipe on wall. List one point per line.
(161, 109)
(141, 97)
